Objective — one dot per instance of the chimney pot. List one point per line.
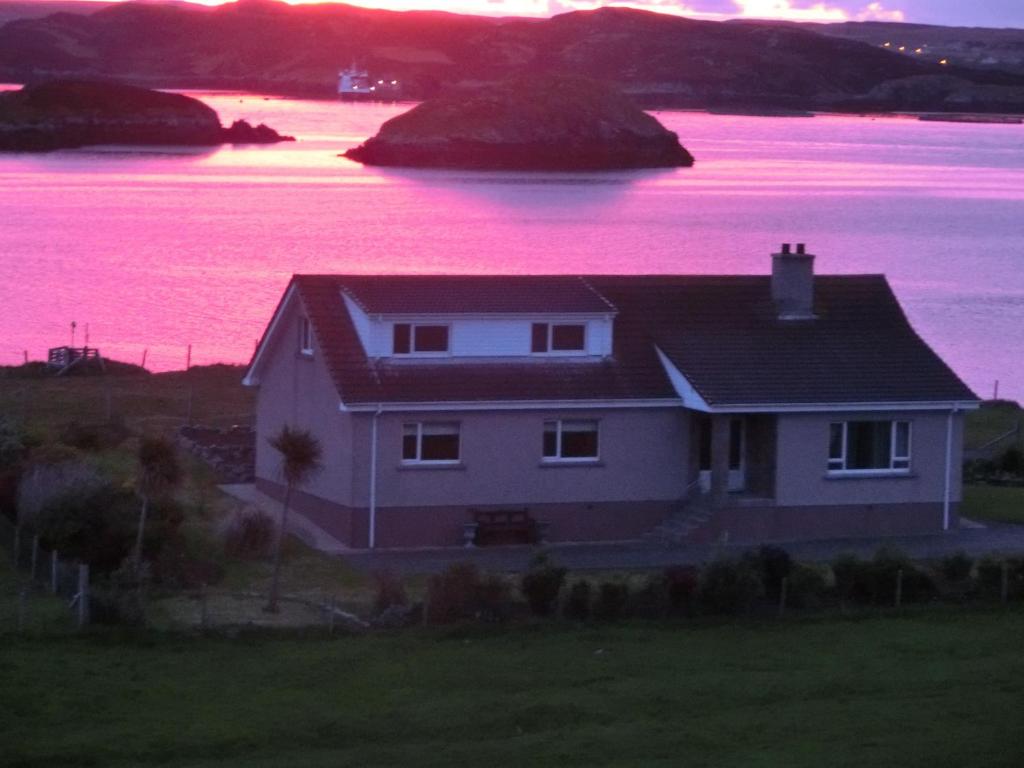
(793, 283)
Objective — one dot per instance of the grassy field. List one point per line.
(40, 612)
(936, 689)
(992, 420)
(993, 503)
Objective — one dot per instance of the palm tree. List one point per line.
(159, 472)
(300, 452)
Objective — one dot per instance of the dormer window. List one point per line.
(558, 337)
(412, 338)
(305, 337)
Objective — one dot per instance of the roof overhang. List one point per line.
(509, 405)
(251, 378)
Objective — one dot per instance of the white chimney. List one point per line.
(793, 283)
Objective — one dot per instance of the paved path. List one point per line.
(1001, 539)
(298, 526)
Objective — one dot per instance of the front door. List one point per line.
(737, 455)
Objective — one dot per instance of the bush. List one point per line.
(49, 480)
(541, 585)
(873, 582)
(174, 568)
(806, 587)
(117, 600)
(651, 600)
(990, 577)
(681, 585)
(956, 568)
(454, 594)
(494, 598)
(13, 446)
(1012, 461)
(611, 601)
(250, 535)
(577, 604)
(390, 592)
(730, 586)
(774, 564)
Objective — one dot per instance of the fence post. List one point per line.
(54, 561)
(204, 615)
(22, 599)
(899, 587)
(783, 589)
(1004, 592)
(35, 558)
(83, 595)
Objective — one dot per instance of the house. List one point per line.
(747, 408)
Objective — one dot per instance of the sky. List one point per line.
(981, 13)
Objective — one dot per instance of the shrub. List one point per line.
(774, 564)
(1012, 461)
(990, 577)
(118, 598)
(93, 437)
(730, 586)
(173, 567)
(577, 604)
(494, 598)
(541, 585)
(806, 587)
(47, 481)
(611, 601)
(13, 446)
(390, 592)
(956, 568)
(250, 535)
(681, 585)
(651, 600)
(873, 582)
(453, 594)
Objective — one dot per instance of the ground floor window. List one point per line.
(430, 442)
(570, 440)
(869, 446)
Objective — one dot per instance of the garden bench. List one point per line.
(495, 527)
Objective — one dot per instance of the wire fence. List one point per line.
(40, 574)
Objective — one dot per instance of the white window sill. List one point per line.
(563, 463)
(868, 474)
(431, 465)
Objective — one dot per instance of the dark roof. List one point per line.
(721, 332)
(469, 294)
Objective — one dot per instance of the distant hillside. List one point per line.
(660, 59)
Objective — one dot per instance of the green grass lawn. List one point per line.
(40, 611)
(992, 420)
(943, 688)
(993, 503)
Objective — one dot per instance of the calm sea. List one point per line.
(157, 249)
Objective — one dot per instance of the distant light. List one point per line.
(394, 82)
(887, 45)
(380, 82)
(903, 47)
(919, 50)
(944, 62)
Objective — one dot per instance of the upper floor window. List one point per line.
(410, 338)
(305, 336)
(570, 440)
(430, 442)
(558, 337)
(869, 446)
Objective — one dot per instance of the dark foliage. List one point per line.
(93, 437)
(651, 600)
(612, 599)
(577, 602)
(956, 568)
(681, 585)
(873, 582)
(454, 594)
(805, 588)
(390, 592)
(541, 586)
(250, 535)
(774, 564)
(990, 577)
(730, 586)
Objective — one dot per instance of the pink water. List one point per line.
(155, 250)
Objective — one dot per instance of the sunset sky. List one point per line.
(981, 13)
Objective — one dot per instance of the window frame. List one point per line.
(899, 463)
(413, 352)
(305, 336)
(549, 334)
(419, 460)
(558, 458)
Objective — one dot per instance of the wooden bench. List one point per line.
(496, 527)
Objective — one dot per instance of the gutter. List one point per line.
(947, 490)
(373, 479)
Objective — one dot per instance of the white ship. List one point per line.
(357, 83)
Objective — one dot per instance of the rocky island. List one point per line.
(69, 114)
(547, 123)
